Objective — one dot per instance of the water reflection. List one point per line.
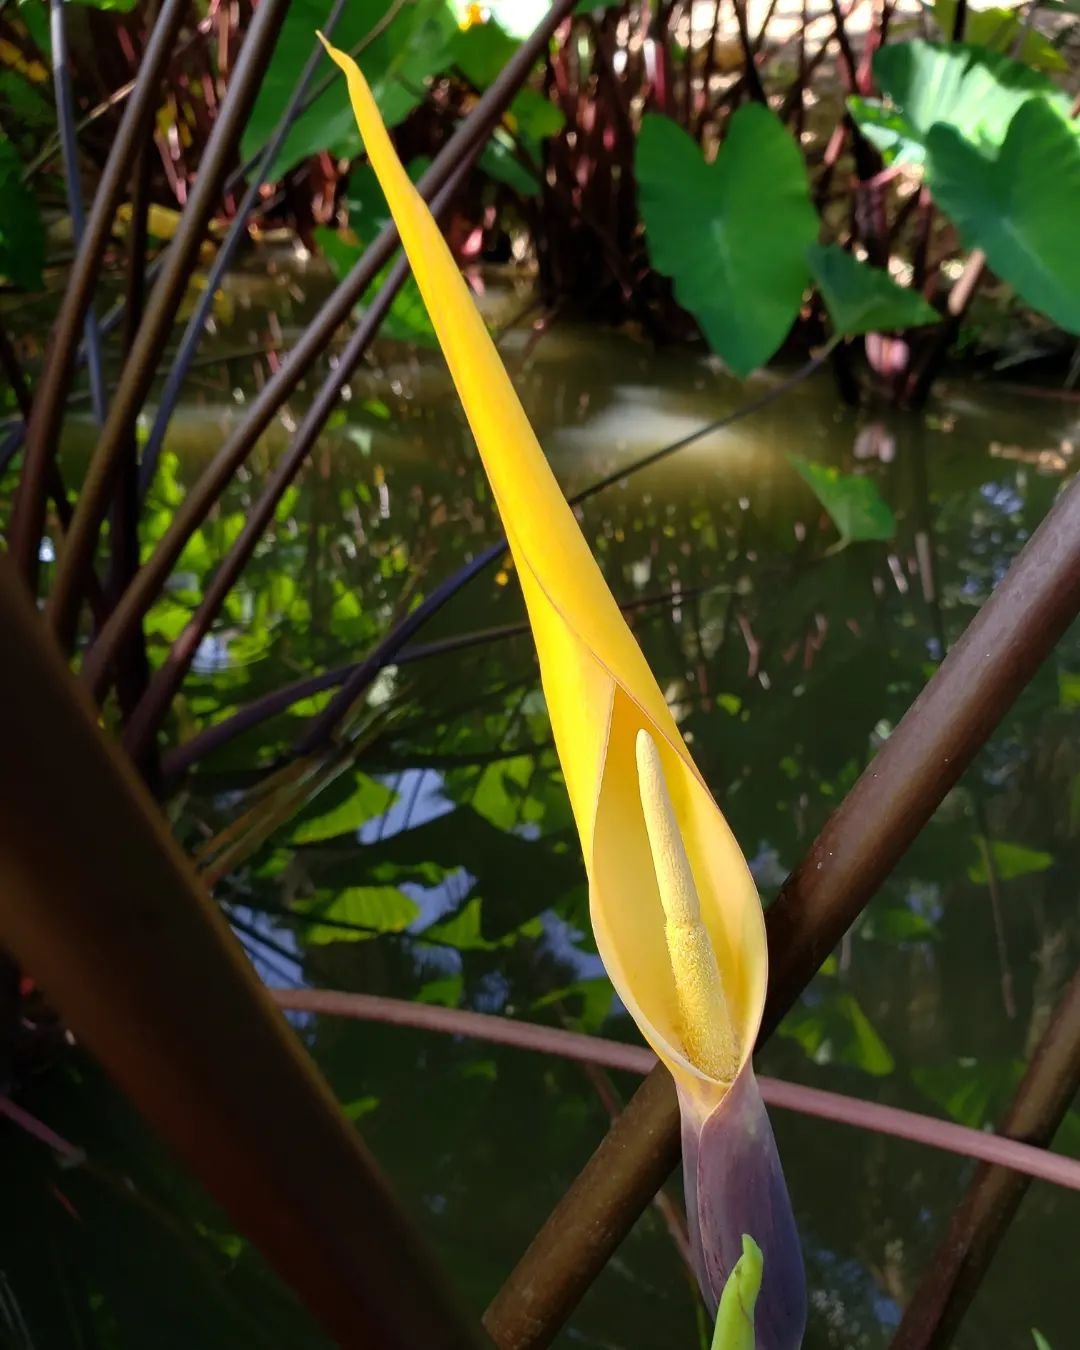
(443, 864)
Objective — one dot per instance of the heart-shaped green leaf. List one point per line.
(853, 502)
(733, 234)
(1021, 208)
(864, 299)
(974, 90)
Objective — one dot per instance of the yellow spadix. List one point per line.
(674, 909)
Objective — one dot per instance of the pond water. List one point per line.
(442, 864)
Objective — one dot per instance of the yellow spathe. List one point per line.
(600, 694)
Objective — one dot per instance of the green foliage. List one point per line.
(346, 804)
(1041, 1343)
(998, 29)
(514, 150)
(1020, 207)
(1010, 861)
(928, 84)
(397, 61)
(832, 1028)
(732, 234)
(371, 909)
(852, 501)
(408, 319)
(735, 1316)
(22, 235)
(864, 299)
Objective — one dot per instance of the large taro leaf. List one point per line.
(1002, 30)
(732, 234)
(398, 60)
(864, 299)
(1021, 208)
(972, 89)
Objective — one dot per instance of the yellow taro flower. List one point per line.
(674, 909)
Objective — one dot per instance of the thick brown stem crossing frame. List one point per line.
(220, 1075)
(862, 841)
(979, 1222)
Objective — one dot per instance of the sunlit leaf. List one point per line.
(1010, 861)
(480, 52)
(343, 806)
(852, 501)
(865, 299)
(464, 930)
(998, 28)
(378, 909)
(1021, 207)
(400, 58)
(732, 234)
(1041, 1343)
(928, 84)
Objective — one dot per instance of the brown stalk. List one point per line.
(148, 582)
(62, 608)
(28, 516)
(118, 931)
(133, 669)
(862, 841)
(981, 1219)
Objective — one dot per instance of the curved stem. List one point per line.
(1023, 1159)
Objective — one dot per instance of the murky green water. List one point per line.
(788, 661)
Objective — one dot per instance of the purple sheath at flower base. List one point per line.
(734, 1185)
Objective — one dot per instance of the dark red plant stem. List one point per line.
(980, 1221)
(750, 70)
(28, 516)
(38, 1130)
(132, 666)
(708, 70)
(16, 376)
(202, 497)
(62, 608)
(56, 490)
(862, 841)
(925, 369)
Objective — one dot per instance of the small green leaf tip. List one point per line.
(735, 1315)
